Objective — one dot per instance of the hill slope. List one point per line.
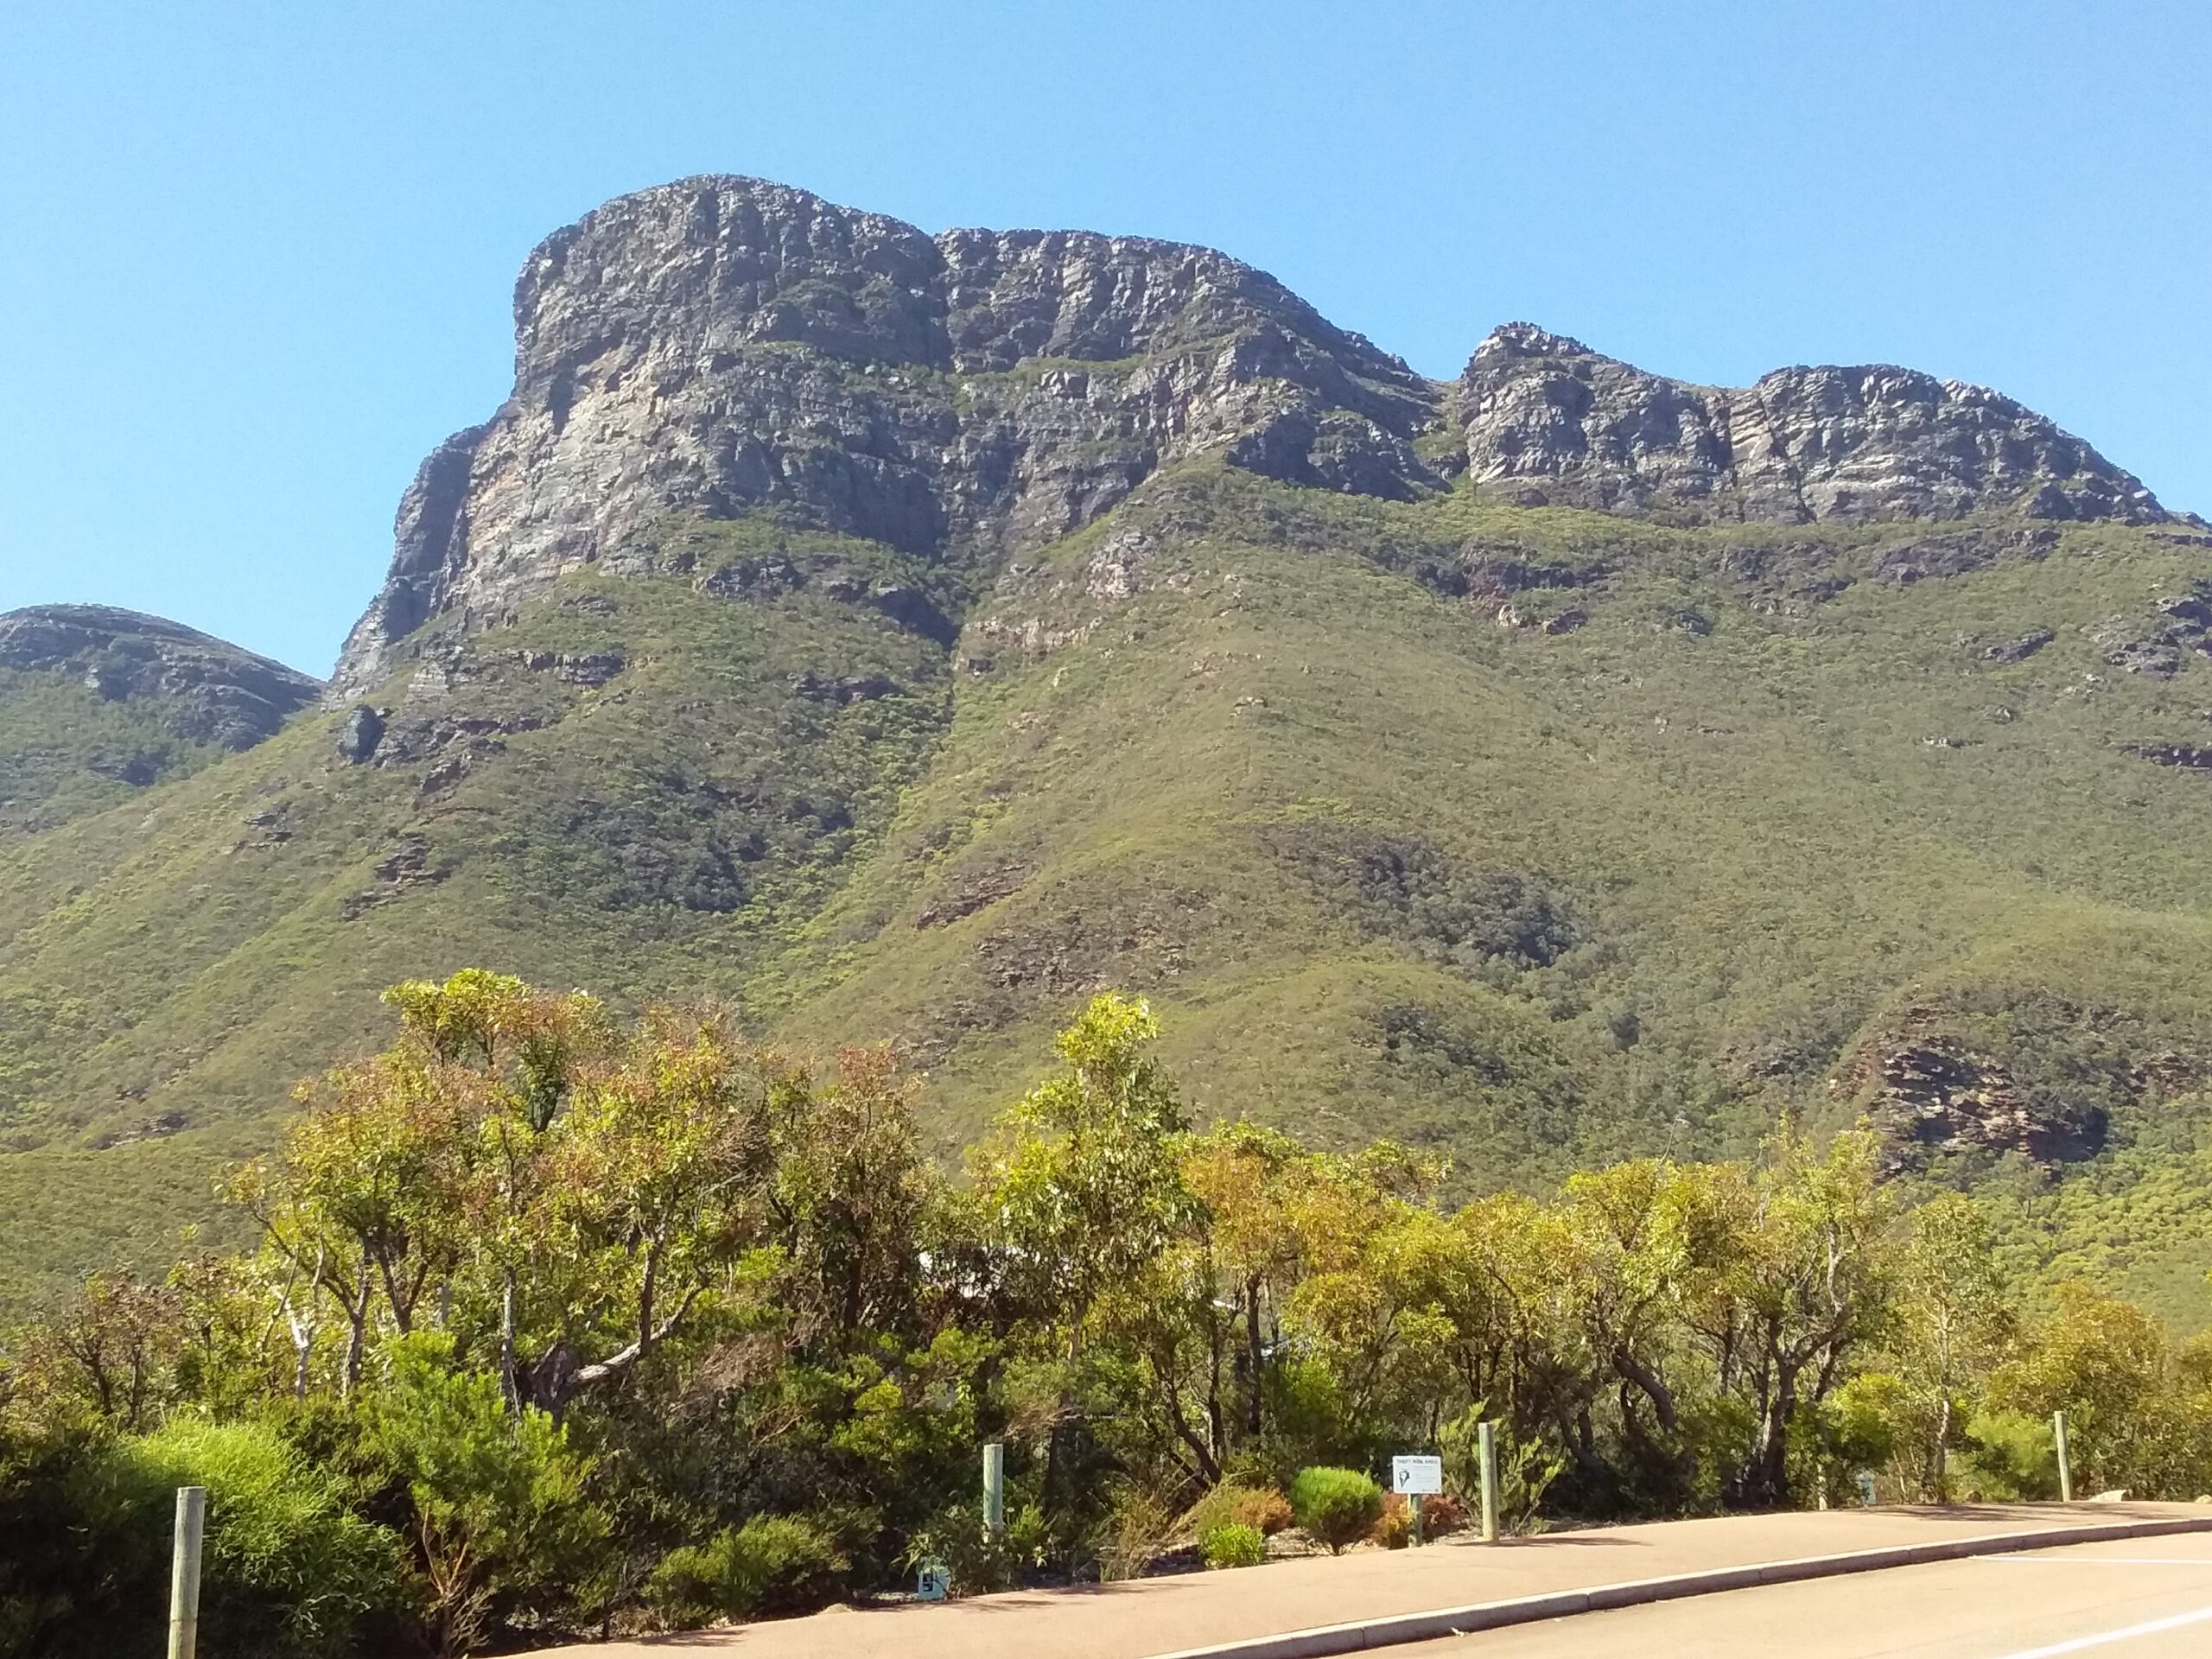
(905, 636)
(96, 703)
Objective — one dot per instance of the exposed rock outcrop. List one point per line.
(1550, 421)
(211, 692)
(723, 344)
(1941, 1096)
(720, 345)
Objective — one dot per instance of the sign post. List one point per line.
(2065, 1465)
(1486, 1446)
(184, 1577)
(1413, 1477)
(995, 1487)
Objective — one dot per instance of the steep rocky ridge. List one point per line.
(1551, 419)
(721, 345)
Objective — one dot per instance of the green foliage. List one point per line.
(773, 1564)
(288, 1570)
(1336, 1506)
(2012, 1458)
(502, 1522)
(979, 1559)
(561, 1316)
(1233, 1544)
(1526, 1468)
(2136, 1408)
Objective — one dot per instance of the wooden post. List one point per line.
(2065, 1465)
(1486, 1443)
(184, 1579)
(995, 1486)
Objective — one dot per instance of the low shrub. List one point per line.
(773, 1564)
(1233, 1544)
(1336, 1506)
(1441, 1516)
(978, 1560)
(1137, 1532)
(1236, 1503)
(1393, 1528)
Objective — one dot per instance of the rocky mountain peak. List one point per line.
(212, 691)
(722, 344)
(1550, 421)
(1518, 339)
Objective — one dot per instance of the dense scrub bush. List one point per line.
(1232, 1544)
(288, 1573)
(773, 1564)
(504, 1531)
(1336, 1506)
(1237, 1503)
(979, 1560)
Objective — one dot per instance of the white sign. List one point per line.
(1413, 1476)
(933, 1582)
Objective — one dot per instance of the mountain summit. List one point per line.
(902, 638)
(722, 345)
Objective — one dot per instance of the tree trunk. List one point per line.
(1256, 1352)
(1940, 1482)
(357, 1337)
(1766, 1477)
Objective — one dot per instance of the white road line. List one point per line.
(2102, 1561)
(2156, 1627)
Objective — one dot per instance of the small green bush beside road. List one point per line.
(1336, 1506)
(1232, 1544)
(771, 1564)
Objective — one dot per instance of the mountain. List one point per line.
(97, 703)
(906, 636)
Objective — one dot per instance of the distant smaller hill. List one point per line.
(96, 703)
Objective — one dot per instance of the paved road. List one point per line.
(2147, 1600)
(1157, 1616)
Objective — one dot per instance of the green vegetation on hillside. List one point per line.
(1534, 838)
(557, 1318)
(67, 752)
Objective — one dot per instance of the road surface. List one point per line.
(1162, 1616)
(2150, 1598)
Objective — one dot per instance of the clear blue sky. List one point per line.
(255, 260)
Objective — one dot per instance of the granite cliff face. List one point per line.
(209, 690)
(1555, 423)
(720, 345)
